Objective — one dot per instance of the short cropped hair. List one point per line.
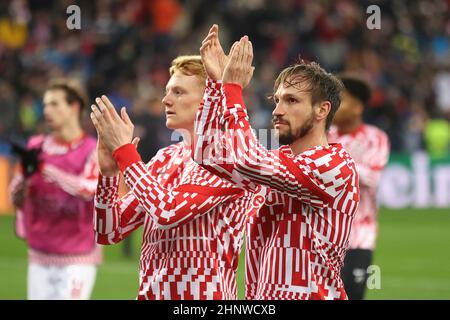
(190, 66)
(74, 92)
(357, 87)
(310, 76)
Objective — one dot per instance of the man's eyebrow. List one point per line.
(286, 95)
(291, 95)
(174, 88)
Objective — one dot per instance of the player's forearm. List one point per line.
(212, 146)
(272, 168)
(371, 166)
(16, 190)
(75, 185)
(369, 177)
(248, 156)
(207, 122)
(107, 208)
(168, 209)
(114, 218)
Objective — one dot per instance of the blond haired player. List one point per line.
(193, 221)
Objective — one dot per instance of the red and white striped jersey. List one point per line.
(193, 223)
(369, 147)
(295, 244)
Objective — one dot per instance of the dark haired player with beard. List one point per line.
(296, 243)
(369, 147)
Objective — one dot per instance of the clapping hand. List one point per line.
(239, 68)
(113, 132)
(213, 58)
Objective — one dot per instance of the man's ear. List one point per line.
(322, 110)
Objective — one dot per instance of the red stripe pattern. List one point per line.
(369, 147)
(193, 224)
(296, 243)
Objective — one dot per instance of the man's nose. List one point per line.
(279, 110)
(46, 110)
(166, 100)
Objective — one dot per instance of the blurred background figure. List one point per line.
(369, 148)
(124, 47)
(53, 196)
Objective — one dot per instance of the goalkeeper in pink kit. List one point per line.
(54, 200)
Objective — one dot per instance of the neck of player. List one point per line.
(188, 136)
(69, 132)
(314, 138)
(349, 127)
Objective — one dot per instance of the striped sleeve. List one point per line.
(114, 218)
(316, 176)
(13, 187)
(210, 147)
(192, 198)
(375, 159)
(82, 186)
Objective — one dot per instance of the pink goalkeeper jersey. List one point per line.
(57, 217)
(369, 147)
(296, 243)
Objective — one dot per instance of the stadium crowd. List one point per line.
(124, 49)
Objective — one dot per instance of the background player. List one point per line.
(369, 147)
(55, 201)
(193, 221)
(296, 243)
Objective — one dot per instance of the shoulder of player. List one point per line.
(36, 140)
(325, 158)
(205, 177)
(332, 150)
(374, 131)
(90, 141)
(169, 151)
(375, 137)
(164, 155)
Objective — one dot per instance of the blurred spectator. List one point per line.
(150, 126)
(125, 47)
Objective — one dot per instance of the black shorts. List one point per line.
(354, 272)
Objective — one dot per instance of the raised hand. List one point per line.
(114, 130)
(106, 162)
(213, 57)
(239, 68)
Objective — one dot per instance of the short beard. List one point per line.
(289, 137)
